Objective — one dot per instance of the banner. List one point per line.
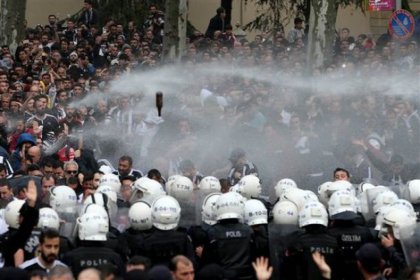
(380, 5)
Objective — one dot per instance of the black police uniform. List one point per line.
(92, 254)
(299, 263)
(231, 246)
(262, 248)
(350, 238)
(162, 245)
(132, 242)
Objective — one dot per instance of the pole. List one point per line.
(398, 4)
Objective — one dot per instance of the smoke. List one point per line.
(210, 109)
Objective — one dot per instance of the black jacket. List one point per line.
(162, 245)
(13, 240)
(299, 263)
(216, 23)
(92, 254)
(232, 247)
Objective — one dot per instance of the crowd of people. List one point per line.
(239, 117)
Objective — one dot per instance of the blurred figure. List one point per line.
(241, 166)
(217, 23)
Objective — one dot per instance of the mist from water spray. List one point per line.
(212, 140)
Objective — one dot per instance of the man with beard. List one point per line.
(6, 193)
(48, 122)
(125, 168)
(49, 248)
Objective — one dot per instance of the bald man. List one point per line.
(34, 154)
(89, 274)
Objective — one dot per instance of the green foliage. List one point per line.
(273, 14)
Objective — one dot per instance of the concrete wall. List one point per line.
(37, 11)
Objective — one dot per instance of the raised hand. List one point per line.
(262, 270)
(31, 193)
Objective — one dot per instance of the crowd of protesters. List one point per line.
(50, 128)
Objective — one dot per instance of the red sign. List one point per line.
(381, 5)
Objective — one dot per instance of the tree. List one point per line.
(175, 30)
(321, 16)
(12, 22)
(122, 11)
(274, 14)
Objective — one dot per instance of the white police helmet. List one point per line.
(181, 188)
(93, 226)
(400, 220)
(382, 199)
(328, 188)
(413, 187)
(209, 184)
(63, 199)
(170, 181)
(93, 208)
(105, 169)
(111, 180)
(109, 191)
(284, 184)
(140, 216)
(298, 197)
(12, 213)
(342, 205)
(147, 190)
(229, 205)
(166, 213)
(285, 213)
(313, 213)
(250, 186)
(322, 192)
(255, 213)
(404, 204)
(363, 187)
(208, 214)
(48, 218)
(380, 216)
(103, 200)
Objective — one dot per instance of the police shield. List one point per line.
(189, 212)
(200, 196)
(122, 221)
(366, 201)
(410, 242)
(68, 227)
(280, 237)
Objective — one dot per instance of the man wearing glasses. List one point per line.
(71, 170)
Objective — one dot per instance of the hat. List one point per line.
(370, 257)
(160, 272)
(344, 216)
